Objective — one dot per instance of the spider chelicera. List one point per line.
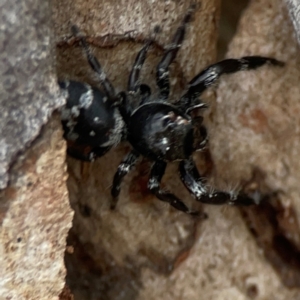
(95, 120)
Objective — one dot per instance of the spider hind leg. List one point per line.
(196, 185)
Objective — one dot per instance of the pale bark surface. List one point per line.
(35, 219)
(35, 214)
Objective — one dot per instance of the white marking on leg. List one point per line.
(244, 65)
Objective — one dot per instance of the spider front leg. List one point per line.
(157, 172)
(211, 75)
(133, 82)
(124, 168)
(196, 185)
(95, 65)
(162, 70)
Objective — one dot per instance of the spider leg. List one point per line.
(162, 70)
(133, 81)
(94, 63)
(123, 169)
(157, 172)
(212, 73)
(196, 185)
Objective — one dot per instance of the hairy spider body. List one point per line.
(156, 129)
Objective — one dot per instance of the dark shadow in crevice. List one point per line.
(276, 231)
(231, 11)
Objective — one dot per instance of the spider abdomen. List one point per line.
(89, 118)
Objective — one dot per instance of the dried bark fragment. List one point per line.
(28, 89)
(35, 218)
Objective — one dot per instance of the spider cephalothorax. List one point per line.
(156, 129)
(163, 133)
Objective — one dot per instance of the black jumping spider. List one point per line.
(94, 121)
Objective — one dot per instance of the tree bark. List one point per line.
(35, 214)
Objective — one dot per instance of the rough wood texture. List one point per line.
(28, 89)
(35, 214)
(35, 217)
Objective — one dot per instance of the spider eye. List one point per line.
(166, 121)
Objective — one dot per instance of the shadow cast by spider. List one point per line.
(96, 120)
